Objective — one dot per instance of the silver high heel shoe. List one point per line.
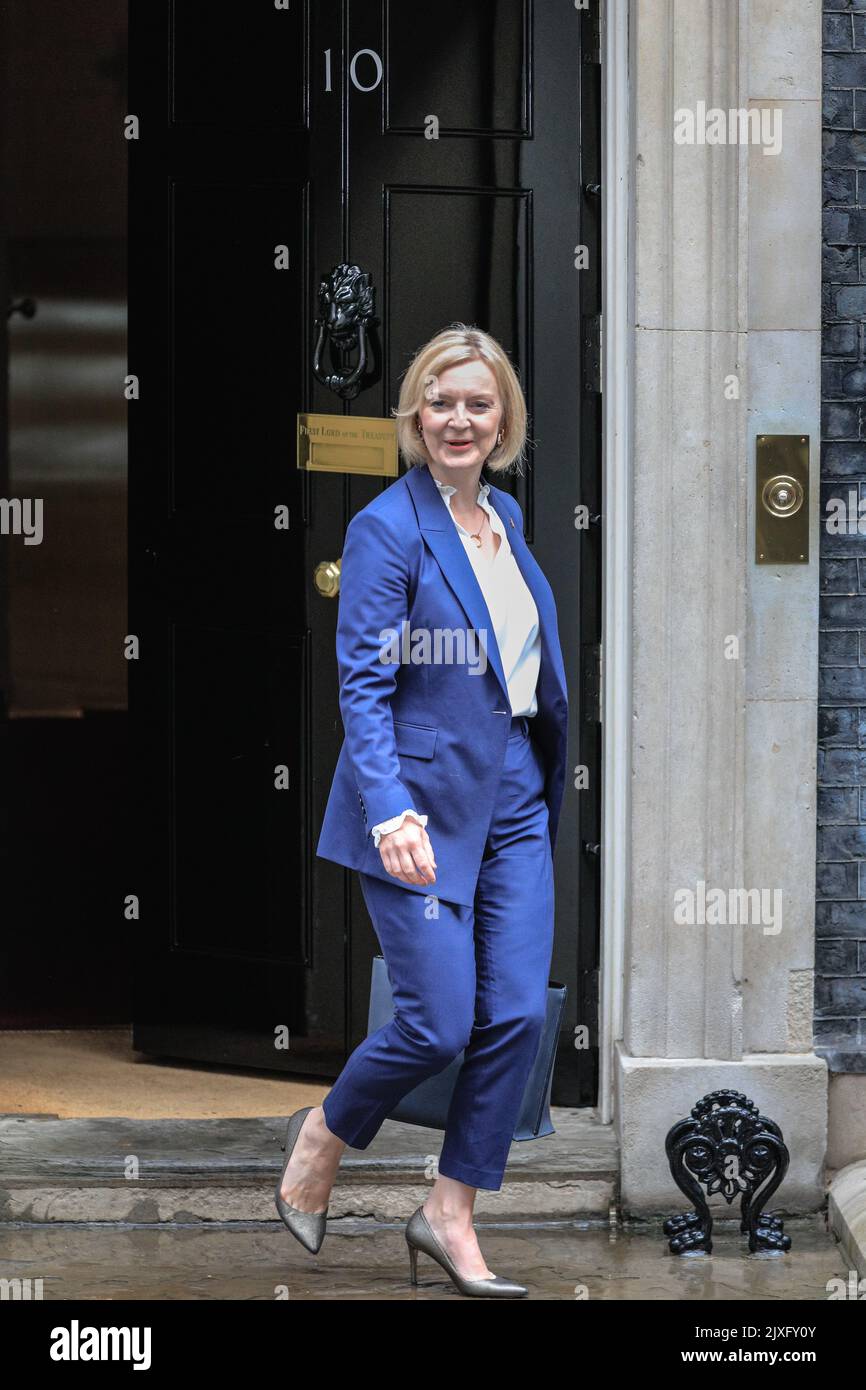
(308, 1226)
(419, 1236)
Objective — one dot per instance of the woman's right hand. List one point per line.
(408, 854)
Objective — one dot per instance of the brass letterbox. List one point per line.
(348, 444)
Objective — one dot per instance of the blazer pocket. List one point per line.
(415, 740)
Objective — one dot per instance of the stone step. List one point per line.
(116, 1169)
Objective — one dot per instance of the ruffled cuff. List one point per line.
(384, 827)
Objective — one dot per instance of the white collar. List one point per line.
(448, 489)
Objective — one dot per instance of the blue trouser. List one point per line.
(469, 977)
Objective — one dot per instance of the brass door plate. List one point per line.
(348, 444)
(782, 499)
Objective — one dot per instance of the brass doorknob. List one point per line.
(326, 577)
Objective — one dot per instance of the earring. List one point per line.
(418, 428)
(499, 438)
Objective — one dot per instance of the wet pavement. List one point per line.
(255, 1261)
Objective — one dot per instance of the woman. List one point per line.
(454, 706)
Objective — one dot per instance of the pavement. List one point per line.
(141, 1180)
(369, 1261)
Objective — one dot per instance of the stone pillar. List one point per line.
(727, 329)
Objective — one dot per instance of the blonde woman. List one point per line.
(446, 797)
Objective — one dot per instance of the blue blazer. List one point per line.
(430, 735)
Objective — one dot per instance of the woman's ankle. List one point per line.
(458, 1220)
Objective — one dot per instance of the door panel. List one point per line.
(274, 145)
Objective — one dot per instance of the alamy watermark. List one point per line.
(846, 516)
(702, 906)
(758, 125)
(437, 646)
(17, 519)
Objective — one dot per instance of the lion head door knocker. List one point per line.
(345, 319)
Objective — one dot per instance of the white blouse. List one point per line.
(515, 623)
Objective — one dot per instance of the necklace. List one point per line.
(476, 535)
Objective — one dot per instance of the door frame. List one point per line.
(617, 414)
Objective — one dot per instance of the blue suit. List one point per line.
(431, 736)
(468, 957)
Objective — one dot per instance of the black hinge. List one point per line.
(591, 656)
(589, 1003)
(592, 353)
(592, 33)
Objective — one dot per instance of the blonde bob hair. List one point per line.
(459, 343)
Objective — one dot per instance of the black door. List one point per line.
(455, 162)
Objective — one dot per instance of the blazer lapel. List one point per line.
(441, 535)
(551, 660)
